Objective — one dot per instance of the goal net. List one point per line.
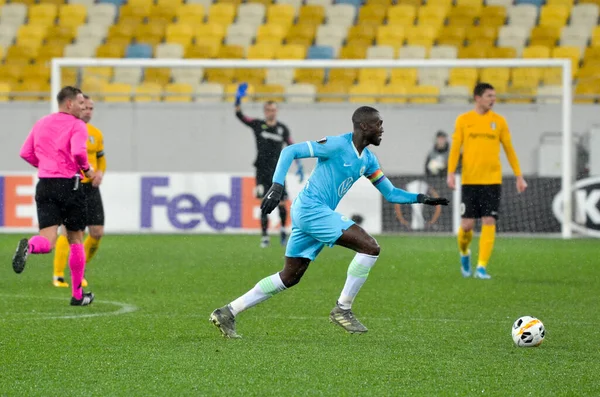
(174, 115)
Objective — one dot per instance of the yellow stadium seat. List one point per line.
(528, 93)
(495, 76)
(221, 13)
(59, 42)
(142, 3)
(110, 51)
(311, 15)
(401, 14)
(48, 52)
(393, 93)
(103, 73)
(544, 35)
(69, 76)
(72, 15)
(501, 52)
(261, 51)
(93, 86)
(148, 92)
(589, 70)
(34, 90)
(552, 76)
(220, 75)
(596, 37)
(41, 14)
(390, 35)
(422, 94)
(443, 4)
(32, 32)
(185, 41)
(421, 35)
(270, 32)
(586, 88)
(591, 54)
(432, 15)
(572, 53)
(163, 11)
(269, 92)
(554, 15)
(492, 16)
(466, 77)
(526, 77)
(376, 77)
(452, 35)
(36, 72)
(470, 3)
(301, 34)
(66, 32)
(11, 72)
(121, 31)
(482, 35)
(4, 91)
(362, 32)
(149, 30)
(178, 92)
(160, 76)
(364, 93)
(210, 30)
(536, 51)
(463, 15)
(353, 52)
(343, 76)
(381, 3)
(472, 52)
(178, 30)
(135, 11)
(131, 20)
(253, 77)
(291, 51)
(190, 14)
(332, 92)
(403, 77)
(204, 48)
(281, 14)
(371, 14)
(568, 3)
(231, 52)
(266, 3)
(309, 76)
(231, 89)
(20, 53)
(414, 3)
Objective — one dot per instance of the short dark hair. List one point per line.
(480, 88)
(267, 103)
(85, 96)
(361, 115)
(67, 92)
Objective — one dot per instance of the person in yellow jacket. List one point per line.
(479, 133)
(95, 209)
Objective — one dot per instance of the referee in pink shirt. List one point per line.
(56, 146)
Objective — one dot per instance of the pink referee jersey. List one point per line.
(56, 146)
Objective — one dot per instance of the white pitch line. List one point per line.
(124, 308)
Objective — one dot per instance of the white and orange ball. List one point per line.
(528, 331)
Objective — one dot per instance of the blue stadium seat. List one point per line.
(355, 3)
(118, 3)
(139, 51)
(537, 3)
(320, 52)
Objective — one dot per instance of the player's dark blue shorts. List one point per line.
(313, 227)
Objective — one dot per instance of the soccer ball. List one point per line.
(435, 166)
(528, 331)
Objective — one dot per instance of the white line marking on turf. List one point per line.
(124, 308)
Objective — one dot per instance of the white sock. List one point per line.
(263, 290)
(358, 271)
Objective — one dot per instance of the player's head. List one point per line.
(270, 109)
(367, 121)
(484, 96)
(88, 110)
(441, 140)
(70, 100)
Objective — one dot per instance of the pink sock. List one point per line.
(39, 245)
(77, 266)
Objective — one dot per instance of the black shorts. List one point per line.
(95, 209)
(59, 204)
(480, 200)
(264, 180)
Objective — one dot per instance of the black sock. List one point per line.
(283, 213)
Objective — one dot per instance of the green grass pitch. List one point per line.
(431, 332)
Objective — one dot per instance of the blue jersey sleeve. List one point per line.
(385, 187)
(323, 148)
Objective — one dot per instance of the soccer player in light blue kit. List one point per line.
(341, 160)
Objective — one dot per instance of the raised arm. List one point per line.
(28, 152)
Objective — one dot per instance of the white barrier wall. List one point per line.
(177, 203)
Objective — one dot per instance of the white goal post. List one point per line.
(563, 64)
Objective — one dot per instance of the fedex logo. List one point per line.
(197, 202)
(17, 208)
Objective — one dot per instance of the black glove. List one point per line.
(423, 199)
(271, 199)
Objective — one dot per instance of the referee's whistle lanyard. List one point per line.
(77, 183)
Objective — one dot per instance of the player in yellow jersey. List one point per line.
(95, 209)
(480, 133)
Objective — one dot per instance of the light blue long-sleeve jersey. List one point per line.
(339, 166)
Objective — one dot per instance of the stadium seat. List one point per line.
(364, 93)
(483, 36)
(13, 14)
(466, 77)
(116, 92)
(138, 51)
(138, 12)
(280, 76)
(403, 77)
(495, 76)
(36, 72)
(148, 92)
(523, 95)
(492, 16)
(332, 92)
(160, 76)
(4, 91)
(353, 51)
(94, 33)
(210, 30)
(401, 14)
(110, 51)
(270, 32)
(554, 15)
(443, 52)
(294, 3)
(391, 36)
(392, 94)
(501, 52)
(463, 15)
(48, 52)
(376, 77)
(572, 53)
(457, 95)
(178, 92)
(536, 51)
(575, 36)
(421, 35)
(281, 14)
(291, 51)
(301, 93)
(32, 90)
(355, 3)
(311, 15)
(512, 36)
(342, 76)
(42, 14)
(371, 15)
(72, 15)
(433, 76)
(423, 94)
(102, 14)
(526, 77)
(342, 15)
(585, 15)
(209, 92)
(302, 34)
(310, 76)
(431, 16)
(549, 94)
(129, 75)
(500, 3)
(595, 37)
(190, 14)
(204, 48)
(97, 73)
(583, 89)
(320, 52)
(191, 76)
(230, 90)
(269, 92)
(591, 54)
(251, 14)
(545, 36)
(523, 15)
(452, 35)
(205, 3)
(412, 52)
(380, 52)
(221, 14)
(260, 51)
(335, 33)
(241, 35)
